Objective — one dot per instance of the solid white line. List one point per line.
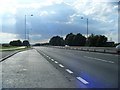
(99, 59)
(82, 80)
(56, 62)
(61, 65)
(69, 71)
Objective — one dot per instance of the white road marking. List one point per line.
(61, 65)
(56, 62)
(110, 62)
(24, 69)
(104, 53)
(117, 55)
(82, 80)
(99, 59)
(52, 59)
(49, 57)
(69, 71)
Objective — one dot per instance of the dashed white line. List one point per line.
(69, 71)
(82, 80)
(61, 65)
(52, 59)
(110, 62)
(56, 62)
(105, 54)
(99, 59)
(49, 57)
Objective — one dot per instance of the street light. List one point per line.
(25, 24)
(28, 34)
(87, 25)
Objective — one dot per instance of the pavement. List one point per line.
(30, 69)
(94, 70)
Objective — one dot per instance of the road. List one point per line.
(95, 70)
(29, 69)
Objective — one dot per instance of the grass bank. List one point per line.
(1, 47)
(14, 49)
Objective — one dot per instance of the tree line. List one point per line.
(19, 43)
(79, 40)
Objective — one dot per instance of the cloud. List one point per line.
(35, 35)
(41, 41)
(112, 36)
(35, 5)
(51, 17)
(43, 13)
(48, 19)
(7, 37)
(96, 10)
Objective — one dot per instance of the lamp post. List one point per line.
(25, 24)
(87, 25)
(29, 34)
(25, 27)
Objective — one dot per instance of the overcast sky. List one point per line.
(56, 17)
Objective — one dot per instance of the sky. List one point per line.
(57, 17)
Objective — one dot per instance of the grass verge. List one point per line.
(9, 47)
(17, 49)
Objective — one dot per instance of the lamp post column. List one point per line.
(87, 27)
(25, 27)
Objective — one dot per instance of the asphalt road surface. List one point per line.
(29, 69)
(95, 70)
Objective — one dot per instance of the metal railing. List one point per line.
(111, 50)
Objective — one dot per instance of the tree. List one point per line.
(101, 41)
(69, 39)
(92, 40)
(26, 43)
(96, 40)
(79, 40)
(16, 43)
(57, 41)
(75, 40)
